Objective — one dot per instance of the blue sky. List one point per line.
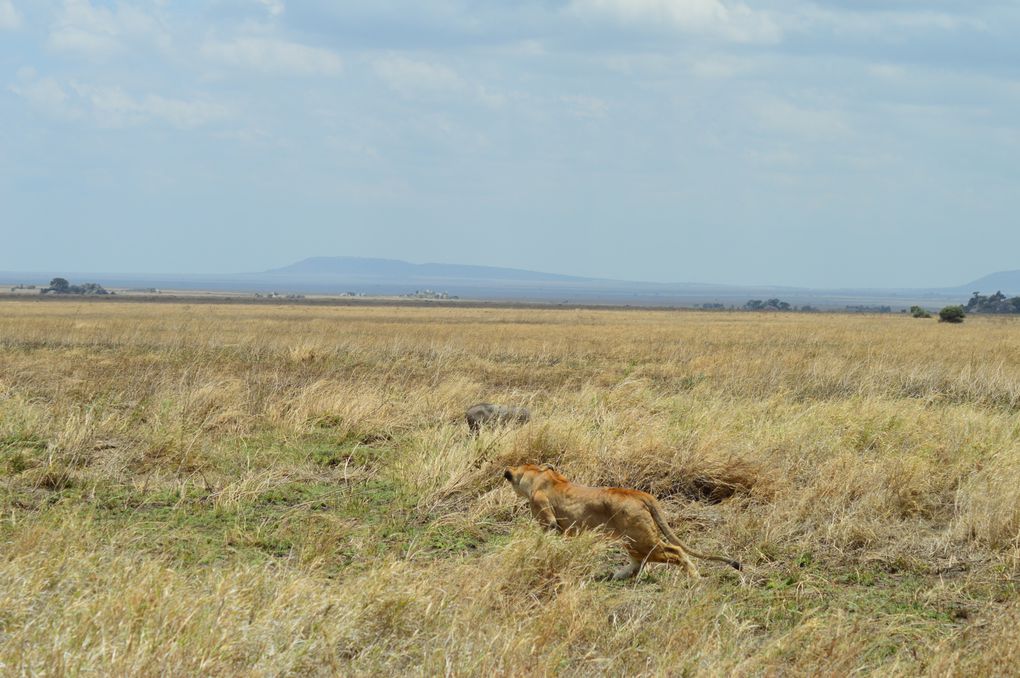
(821, 143)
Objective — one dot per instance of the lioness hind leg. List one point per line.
(676, 556)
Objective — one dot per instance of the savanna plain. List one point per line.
(227, 490)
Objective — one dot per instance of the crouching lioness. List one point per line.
(630, 515)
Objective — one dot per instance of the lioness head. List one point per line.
(522, 478)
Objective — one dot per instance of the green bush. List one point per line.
(918, 312)
(952, 314)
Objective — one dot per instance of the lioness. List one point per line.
(631, 515)
(483, 413)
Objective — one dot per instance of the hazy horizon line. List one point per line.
(587, 278)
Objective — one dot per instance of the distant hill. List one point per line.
(382, 277)
(392, 277)
(394, 269)
(1007, 282)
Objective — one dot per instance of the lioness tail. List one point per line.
(653, 508)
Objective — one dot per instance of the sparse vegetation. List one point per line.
(277, 295)
(861, 308)
(292, 490)
(429, 294)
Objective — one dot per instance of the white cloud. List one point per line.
(412, 78)
(112, 106)
(791, 118)
(490, 98)
(99, 31)
(45, 95)
(895, 22)
(588, 107)
(887, 71)
(10, 18)
(721, 67)
(733, 21)
(185, 114)
(274, 7)
(274, 55)
(409, 76)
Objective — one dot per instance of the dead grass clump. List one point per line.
(166, 450)
(348, 411)
(54, 477)
(386, 616)
(666, 472)
(535, 565)
(437, 462)
(987, 647)
(550, 442)
(74, 442)
(74, 605)
(989, 503)
(218, 406)
(821, 645)
(307, 354)
(16, 460)
(856, 504)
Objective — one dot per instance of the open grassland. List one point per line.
(223, 490)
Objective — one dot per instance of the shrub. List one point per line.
(769, 305)
(952, 314)
(918, 312)
(61, 286)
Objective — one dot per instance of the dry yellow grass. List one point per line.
(253, 490)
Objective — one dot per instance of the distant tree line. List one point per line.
(277, 295)
(62, 286)
(430, 294)
(767, 305)
(995, 303)
(860, 308)
(949, 314)
(775, 305)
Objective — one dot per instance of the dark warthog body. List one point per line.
(487, 413)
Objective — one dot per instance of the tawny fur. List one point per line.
(630, 515)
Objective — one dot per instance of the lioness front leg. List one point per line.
(543, 512)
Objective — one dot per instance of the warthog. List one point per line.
(486, 413)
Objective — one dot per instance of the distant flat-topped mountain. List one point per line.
(1007, 282)
(394, 269)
